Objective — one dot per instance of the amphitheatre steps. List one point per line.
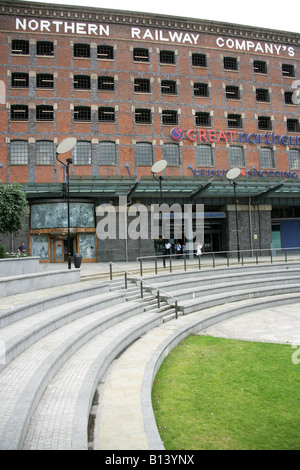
(57, 349)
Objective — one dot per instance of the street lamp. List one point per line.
(232, 175)
(66, 145)
(158, 167)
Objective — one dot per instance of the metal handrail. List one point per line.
(142, 281)
(184, 256)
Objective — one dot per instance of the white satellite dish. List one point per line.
(233, 173)
(159, 166)
(66, 145)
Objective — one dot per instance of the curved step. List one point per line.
(197, 303)
(19, 335)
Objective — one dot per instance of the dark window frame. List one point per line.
(168, 87)
(105, 52)
(19, 80)
(19, 112)
(44, 112)
(81, 51)
(45, 48)
(20, 47)
(141, 54)
(82, 82)
(143, 116)
(167, 57)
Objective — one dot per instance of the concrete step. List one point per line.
(252, 284)
(19, 335)
(196, 304)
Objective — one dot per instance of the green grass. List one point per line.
(215, 393)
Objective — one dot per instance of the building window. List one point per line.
(292, 125)
(107, 153)
(262, 95)
(201, 89)
(83, 153)
(144, 153)
(141, 85)
(259, 66)
(106, 83)
(168, 87)
(236, 156)
(44, 113)
(20, 47)
(199, 60)
(44, 80)
(288, 97)
(266, 158)
(264, 123)
(44, 48)
(19, 112)
(140, 55)
(230, 63)
(288, 70)
(82, 82)
(19, 152)
(20, 80)
(82, 50)
(171, 153)
(44, 152)
(105, 52)
(169, 117)
(106, 114)
(82, 113)
(167, 57)
(232, 92)
(294, 159)
(234, 121)
(204, 155)
(202, 119)
(142, 116)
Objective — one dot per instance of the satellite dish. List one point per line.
(233, 173)
(159, 166)
(66, 145)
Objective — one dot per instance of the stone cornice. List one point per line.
(76, 13)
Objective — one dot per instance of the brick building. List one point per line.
(135, 88)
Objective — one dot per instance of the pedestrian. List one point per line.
(167, 248)
(21, 249)
(178, 249)
(199, 249)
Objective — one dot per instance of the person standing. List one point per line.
(199, 249)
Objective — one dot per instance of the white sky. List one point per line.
(261, 13)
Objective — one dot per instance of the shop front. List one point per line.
(49, 231)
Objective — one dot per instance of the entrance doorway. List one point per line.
(60, 249)
(212, 237)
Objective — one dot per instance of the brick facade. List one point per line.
(116, 42)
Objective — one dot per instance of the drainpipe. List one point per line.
(250, 225)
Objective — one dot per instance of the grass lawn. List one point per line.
(215, 393)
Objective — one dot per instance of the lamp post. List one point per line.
(66, 145)
(158, 167)
(231, 176)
